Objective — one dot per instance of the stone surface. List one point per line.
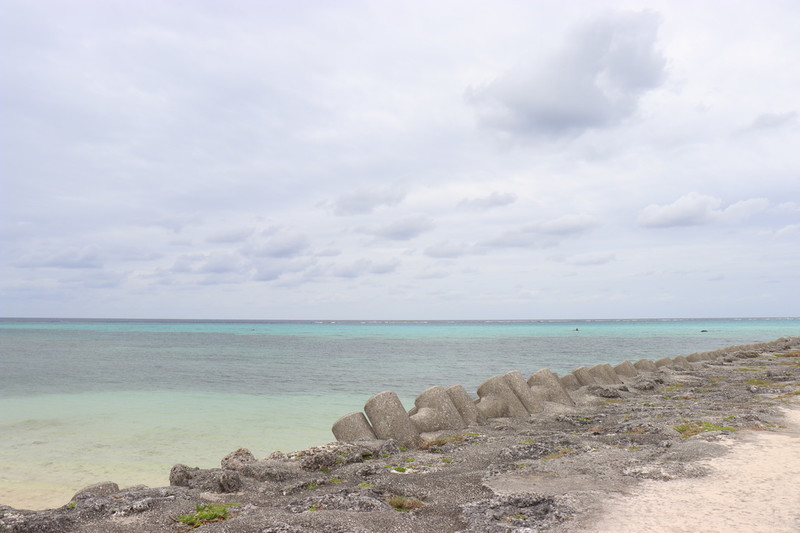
(583, 376)
(215, 480)
(497, 399)
(645, 365)
(435, 411)
(664, 361)
(352, 427)
(681, 363)
(569, 382)
(466, 406)
(521, 388)
(604, 375)
(626, 370)
(546, 383)
(390, 420)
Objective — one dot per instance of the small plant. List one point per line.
(404, 503)
(754, 381)
(399, 469)
(409, 459)
(690, 429)
(311, 486)
(472, 434)
(314, 507)
(335, 480)
(324, 469)
(365, 485)
(206, 514)
(72, 505)
(556, 455)
(402, 448)
(509, 518)
(447, 460)
(796, 353)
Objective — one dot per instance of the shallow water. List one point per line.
(85, 401)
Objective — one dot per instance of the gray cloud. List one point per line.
(282, 245)
(595, 81)
(696, 209)
(365, 201)
(543, 234)
(496, 199)
(449, 250)
(773, 121)
(403, 229)
(230, 236)
(74, 258)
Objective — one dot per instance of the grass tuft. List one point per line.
(206, 514)
(690, 429)
(404, 503)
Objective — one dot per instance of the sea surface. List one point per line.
(83, 401)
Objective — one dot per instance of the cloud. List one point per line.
(495, 199)
(591, 258)
(75, 258)
(362, 266)
(403, 229)
(543, 234)
(282, 245)
(696, 209)
(773, 121)
(364, 202)
(594, 81)
(448, 250)
(230, 236)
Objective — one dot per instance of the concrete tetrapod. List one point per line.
(435, 411)
(545, 384)
(466, 407)
(626, 370)
(645, 365)
(497, 400)
(523, 391)
(583, 376)
(390, 421)
(604, 375)
(352, 427)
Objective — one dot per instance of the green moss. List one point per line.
(690, 429)
(365, 485)
(206, 514)
(311, 486)
(447, 460)
(400, 469)
(335, 480)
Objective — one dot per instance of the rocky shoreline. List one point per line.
(547, 471)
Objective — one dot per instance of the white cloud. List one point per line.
(495, 199)
(363, 202)
(594, 81)
(696, 209)
(403, 229)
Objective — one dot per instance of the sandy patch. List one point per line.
(754, 488)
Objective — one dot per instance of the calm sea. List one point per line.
(83, 401)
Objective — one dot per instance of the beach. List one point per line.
(720, 433)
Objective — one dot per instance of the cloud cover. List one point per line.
(398, 160)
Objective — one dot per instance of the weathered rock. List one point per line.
(390, 420)
(237, 459)
(435, 411)
(213, 480)
(353, 427)
(466, 407)
(96, 490)
(546, 384)
(271, 470)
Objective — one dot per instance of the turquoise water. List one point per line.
(84, 401)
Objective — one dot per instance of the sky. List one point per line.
(455, 159)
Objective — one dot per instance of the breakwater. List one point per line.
(511, 395)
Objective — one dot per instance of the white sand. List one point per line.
(752, 489)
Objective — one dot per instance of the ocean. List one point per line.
(83, 401)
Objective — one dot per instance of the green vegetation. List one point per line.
(404, 503)
(365, 485)
(764, 382)
(213, 512)
(795, 353)
(509, 518)
(311, 486)
(690, 429)
(72, 505)
(447, 460)
(335, 480)
(400, 469)
(409, 459)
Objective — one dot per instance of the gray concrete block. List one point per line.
(546, 384)
(435, 411)
(521, 388)
(497, 399)
(569, 382)
(353, 427)
(681, 363)
(389, 419)
(645, 365)
(466, 407)
(664, 361)
(626, 370)
(583, 376)
(604, 375)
